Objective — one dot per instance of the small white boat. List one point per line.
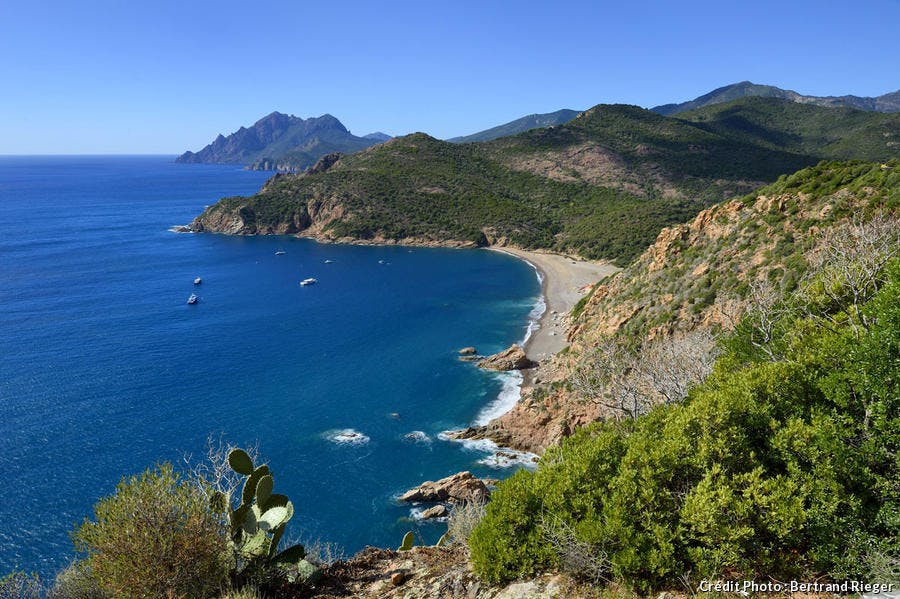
(193, 299)
(329, 261)
(308, 281)
(280, 253)
(197, 281)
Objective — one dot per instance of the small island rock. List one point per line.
(513, 358)
(468, 351)
(459, 488)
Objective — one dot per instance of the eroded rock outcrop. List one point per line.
(433, 573)
(438, 511)
(461, 487)
(512, 358)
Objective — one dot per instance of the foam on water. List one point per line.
(540, 306)
(497, 457)
(506, 399)
(346, 436)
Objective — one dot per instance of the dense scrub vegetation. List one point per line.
(783, 463)
(802, 128)
(175, 545)
(600, 186)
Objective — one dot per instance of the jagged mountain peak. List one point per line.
(280, 141)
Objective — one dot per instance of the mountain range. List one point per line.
(288, 143)
(600, 186)
(885, 103)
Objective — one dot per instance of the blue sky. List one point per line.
(164, 77)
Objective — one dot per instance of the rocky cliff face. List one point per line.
(695, 277)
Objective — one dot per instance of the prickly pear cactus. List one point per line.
(407, 542)
(258, 522)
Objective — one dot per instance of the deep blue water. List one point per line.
(105, 370)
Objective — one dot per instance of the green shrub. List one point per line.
(155, 537)
(76, 582)
(786, 468)
(510, 545)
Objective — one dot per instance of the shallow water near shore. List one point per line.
(106, 370)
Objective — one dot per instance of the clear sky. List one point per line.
(163, 77)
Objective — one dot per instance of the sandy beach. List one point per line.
(564, 280)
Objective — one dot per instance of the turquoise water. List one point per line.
(106, 370)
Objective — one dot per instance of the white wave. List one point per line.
(347, 436)
(506, 399)
(496, 456)
(540, 305)
(509, 458)
(534, 318)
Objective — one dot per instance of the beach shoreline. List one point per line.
(564, 281)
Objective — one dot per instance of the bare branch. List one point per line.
(848, 265)
(629, 383)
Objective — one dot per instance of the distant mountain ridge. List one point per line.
(378, 136)
(282, 142)
(600, 186)
(885, 103)
(526, 123)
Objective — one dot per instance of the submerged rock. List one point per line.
(417, 437)
(513, 358)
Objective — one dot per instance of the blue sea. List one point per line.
(105, 370)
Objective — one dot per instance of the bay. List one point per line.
(106, 370)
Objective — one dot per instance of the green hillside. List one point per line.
(600, 186)
(835, 133)
(889, 102)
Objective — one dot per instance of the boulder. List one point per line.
(459, 488)
(438, 511)
(468, 351)
(513, 358)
